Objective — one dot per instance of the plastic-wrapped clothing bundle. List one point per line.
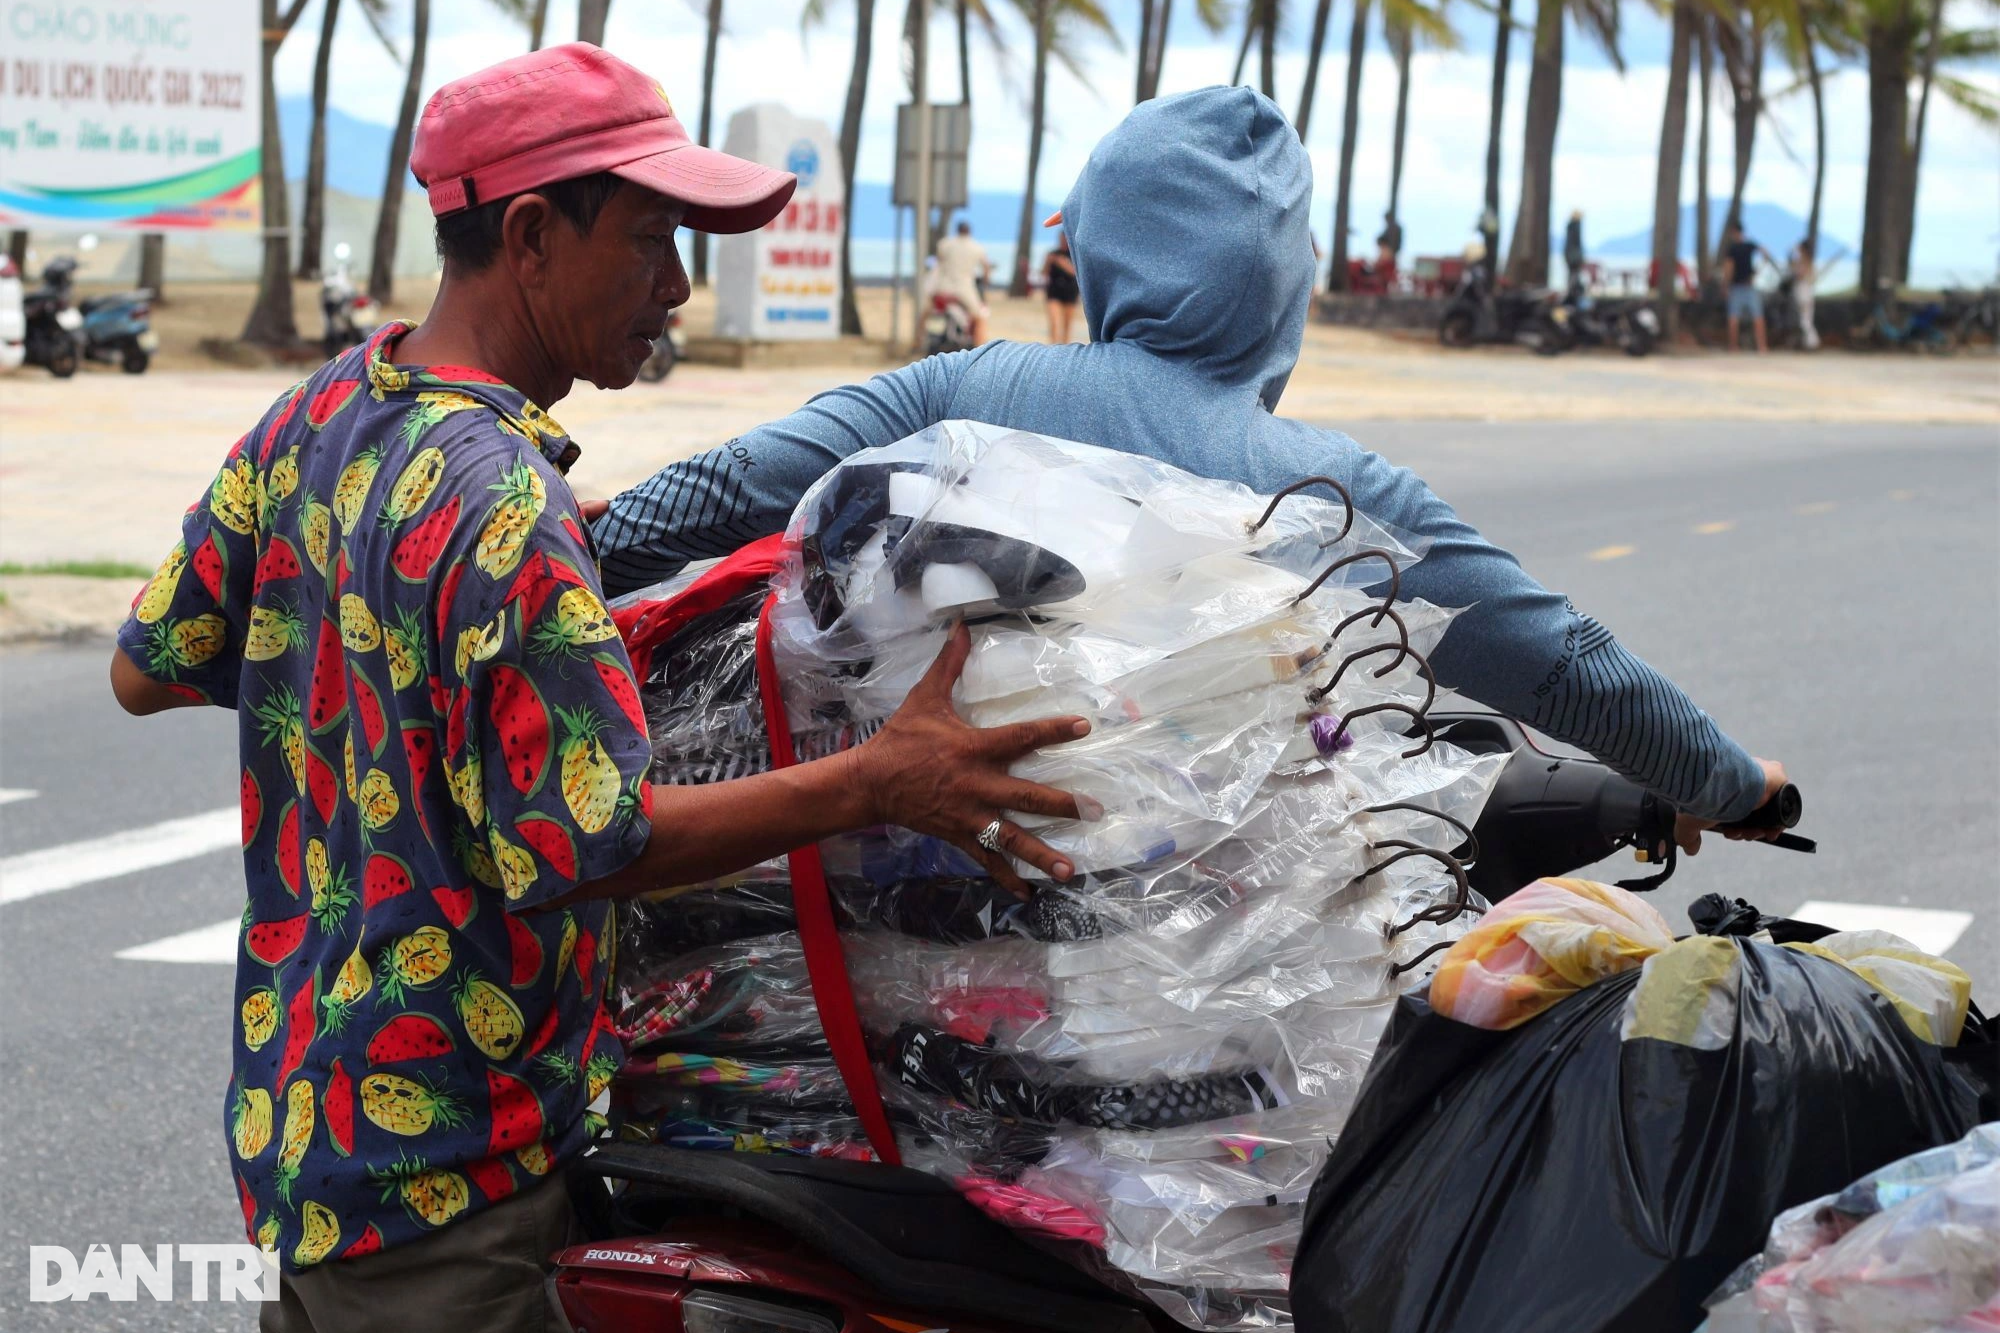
(1911, 1248)
(1155, 1056)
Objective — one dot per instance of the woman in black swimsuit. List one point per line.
(1059, 282)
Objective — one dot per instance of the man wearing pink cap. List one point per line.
(444, 760)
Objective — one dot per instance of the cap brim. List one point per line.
(724, 194)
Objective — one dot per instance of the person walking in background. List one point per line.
(1739, 255)
(1573, 253)
(1804, 275)
(962, 266)
(1059, 286)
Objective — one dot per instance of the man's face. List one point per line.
(608, 293)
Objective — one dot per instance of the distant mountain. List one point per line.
(1773, 226)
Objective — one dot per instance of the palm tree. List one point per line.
(1060, 28)
(713, 18)
(1528, 254)
(382, 265)
(1401, 21)
(1357, 43)
(1704, 253)
(1309, 90)
(1667, 180)
(1262, 21)
(530, 14)
(1740, 38)
(1156, 17)
(1803, 26)
(1977, 45)
(1489, 223)
(272, 322)
(814, 14)
(312, 226)
(591, 16)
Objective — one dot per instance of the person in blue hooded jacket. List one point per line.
(1193, 250)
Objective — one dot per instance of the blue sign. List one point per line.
(803, 161)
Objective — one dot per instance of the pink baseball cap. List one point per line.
(573, 111)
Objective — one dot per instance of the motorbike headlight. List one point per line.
(723, 1312)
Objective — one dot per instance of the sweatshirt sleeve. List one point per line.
(1525, 651)
(710, 504)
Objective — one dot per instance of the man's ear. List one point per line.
(526, 233)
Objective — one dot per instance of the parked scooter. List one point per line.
(694, 1241)
(668, 349)
(348, 315)
(1481, 312)
(1580, 320)
(55, 328)
(117, 328)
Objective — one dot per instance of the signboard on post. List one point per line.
(783, 283)
(951, 139)
(134, 115)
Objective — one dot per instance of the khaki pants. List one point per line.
(484, 1273)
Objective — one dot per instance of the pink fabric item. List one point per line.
(1025, 1210)
(572, 111)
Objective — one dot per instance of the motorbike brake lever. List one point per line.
(1792, 842)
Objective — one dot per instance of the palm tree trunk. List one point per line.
(272, 322)
(1145, 50)
(1916, 154)
(1746, 81)
(1251, 13)
(313, 225)
(850, 147)
(17, 249)
(1704, 252)
(153, 263)
(538, 23)
(700, 275)
(1350, 119)
(964, 55)
(382, 265)
(1490, 219)
(1267, 51)
(1667, 181)
(591, 16)
(1024, 236)
(1402, 39)
(1322, 14)
(1819, 144)
(1889, 41)
(1156, 60)
(1528, 257)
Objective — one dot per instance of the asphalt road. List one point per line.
(1831, 595)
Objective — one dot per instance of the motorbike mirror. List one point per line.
(87, 242)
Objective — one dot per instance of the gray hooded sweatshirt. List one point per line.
(1193, 251)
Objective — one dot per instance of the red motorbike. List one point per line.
(688, 1241)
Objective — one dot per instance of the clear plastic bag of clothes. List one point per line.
(1913, 1247)
(1156, 1056)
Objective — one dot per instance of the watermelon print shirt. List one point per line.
(388, 581)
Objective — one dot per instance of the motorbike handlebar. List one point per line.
(1782, 811)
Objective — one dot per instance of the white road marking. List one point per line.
(205, 944)
(53, 869)
(9, 795)
(1930, 929)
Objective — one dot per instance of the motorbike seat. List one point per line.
(909, 1235)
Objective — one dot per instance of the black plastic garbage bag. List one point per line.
(1558, 1178)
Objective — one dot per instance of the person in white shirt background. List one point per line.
(962, 266)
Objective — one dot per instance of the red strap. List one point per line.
(826, 964)
(646, 625)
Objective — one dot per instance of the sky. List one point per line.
(1606, 146)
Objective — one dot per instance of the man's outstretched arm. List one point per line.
(709, 505)
(1521, 649)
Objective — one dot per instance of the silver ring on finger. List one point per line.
(989, 837)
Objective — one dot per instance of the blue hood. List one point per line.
(1192, 240)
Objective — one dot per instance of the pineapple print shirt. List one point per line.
(389, 582)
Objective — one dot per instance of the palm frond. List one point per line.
(1599, 20)
(1215, 15)
(377, 14)
(1982, 104)
(813, 14)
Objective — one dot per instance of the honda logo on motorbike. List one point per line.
(213, 1273)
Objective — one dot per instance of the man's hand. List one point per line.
(928, 771)
(1688, 829)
